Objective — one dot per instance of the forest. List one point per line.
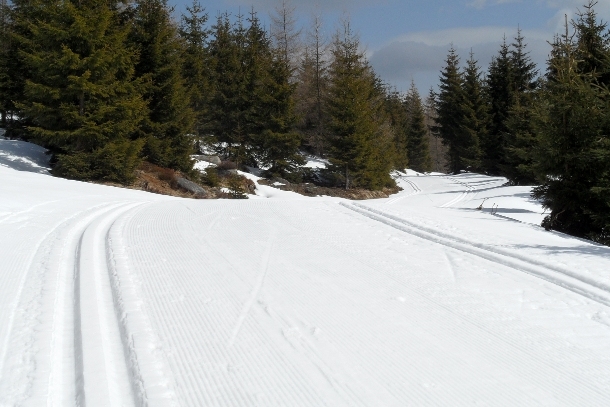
(106, 85)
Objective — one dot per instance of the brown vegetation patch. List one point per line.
(355, 194)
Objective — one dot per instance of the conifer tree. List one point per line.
(228, 109)
(357, 145)
(476, 120)
(80, 96)
(398, 114)
(453, 110)
(4, 49)
(572, 122)
(271, 117)
(196, 61)
(438, 151)
(500, 95)
(171, 119)
(417, 144)
(520, 140)
(312, 86)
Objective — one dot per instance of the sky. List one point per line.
(408, 40)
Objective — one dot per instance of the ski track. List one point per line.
(400, 197)
(566, 278)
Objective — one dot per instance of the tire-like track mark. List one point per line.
(594, 290)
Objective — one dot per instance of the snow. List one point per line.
(110, 296)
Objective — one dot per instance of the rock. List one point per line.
(191, 187)
(213, 159)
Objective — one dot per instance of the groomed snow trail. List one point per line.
(110, 297)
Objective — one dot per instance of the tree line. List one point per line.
(550, 130)
(106, 84)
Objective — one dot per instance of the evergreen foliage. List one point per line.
(170, 120)
(456, 120)
(358, 146)
(572, 124)
(79, 93)
(500, 95)
(520, 140)
(418, 147)
(196, 61)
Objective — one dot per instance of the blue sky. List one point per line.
(408, 39)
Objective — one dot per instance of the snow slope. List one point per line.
(117, 297)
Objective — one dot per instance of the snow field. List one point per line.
(116, 297)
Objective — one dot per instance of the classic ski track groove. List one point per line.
(565, 278)
(59, 297)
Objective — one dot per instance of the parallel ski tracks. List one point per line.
(568, 279)
(89, 358)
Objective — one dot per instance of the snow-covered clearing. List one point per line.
(116, 297)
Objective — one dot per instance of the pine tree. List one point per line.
(399, 121)
(453, 110)
(171, 120)
(271, 118)
(476, 120)
(80, 96)
(4, 49)
(438, 151)
(358, 144)
(417, 143)
(520, 140)
(500, 95)
(572, 122)
(196, 61)
(312, 86)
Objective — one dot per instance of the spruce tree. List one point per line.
(271, 118)
(500, 95)
(476, 120)
(358, 146)
(520, 140)
(572, 123)
(196, 61)
(79, 94)
(452, 114)
(417, 143)
(312, 86)
(398, 115)
(226, 122)
(170, 121)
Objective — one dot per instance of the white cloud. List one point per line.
(421, 55)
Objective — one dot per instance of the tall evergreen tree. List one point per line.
(453, 110)
(572, 124)
(520, 140)
(417, 143)
(312, 85)
(500, 94)
(196, 61)
(476, 120)
(170, 119)
(355, 105)
(80, 96)
(398, 115)
(271, 114)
